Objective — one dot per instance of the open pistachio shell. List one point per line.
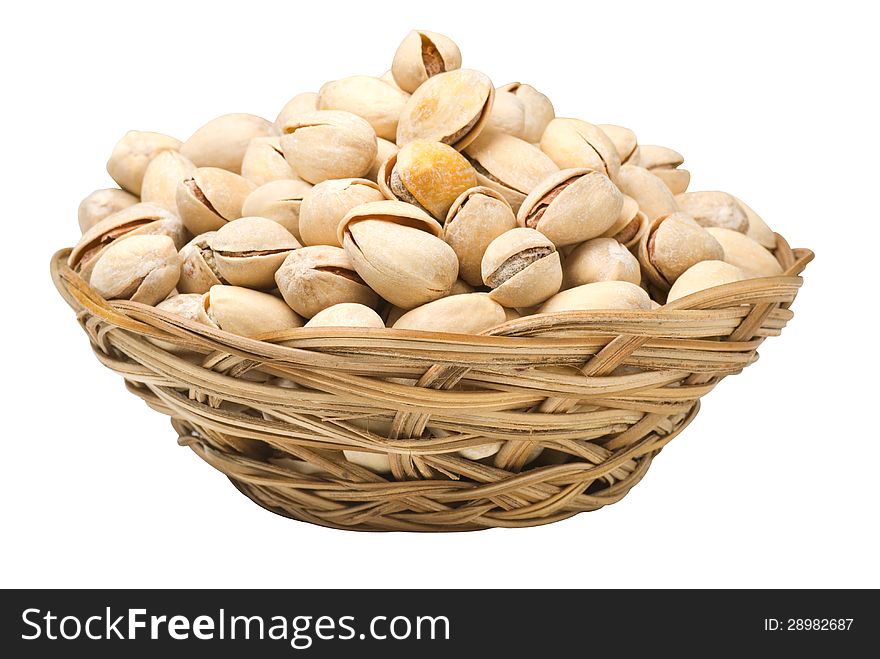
(625, 143)
(245, 312)
(600, 259)
(745, 253)
(141, 268)
(162, 176)
(664, 163)
(630, 224)
(422, 55)
(470, 313)
(384, 150)
(598, 296)
(131, 155)
(210, 197)
(280, 201)
(651, 194)
(222, 142)
(673, 244)
(371, 98)
(703, 275)
(572, 143)
(327, 203)
(264, 161)
(758, 229)
(508, 114)
(198, 270)
(452, 108)
(300, 104)
(538, 110)
(714, 209)
(346, 314)
(522, 268)
(248, 251)
(102, 203)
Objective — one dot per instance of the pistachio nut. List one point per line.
(470, 313)
(625, 143)
(396, 249)
(141, 268)
(511, 314)
(210, 197)
(163, 175)
(422, 55)
(384, 150)
(133, 153)
(572, 143)
(461, 287)
(388, 79)
(600, 259)
(222, 142)
(324, 206)
(367, 97)
(571, 206)
(758, 229)
(651, 194)
(480, 452)
(346, 314)
(522, 268)
(630, 225)
(665, 164)
(186, 305)
(429, 175)
(137, 220)
(703, 275)
(599, 296)
(198, 270)
(300, 104)
(538, 110)
(745, 253)
(672, 244)
(314, 278)
(248, 251)
(377, 462)
(264, 161)
(280, 201)
(102, 203)
(452, 108)
(509, 165)
(329, 144)
(245, 312)
(392, 314)
(508, 114)
(714, 209)
(476, 218)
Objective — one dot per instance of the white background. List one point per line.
(774, 484)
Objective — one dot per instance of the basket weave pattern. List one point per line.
(601, 392)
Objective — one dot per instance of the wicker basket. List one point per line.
(601, 392)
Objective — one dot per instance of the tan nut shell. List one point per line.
(703, 275)
(280, 201)
(508, 114)
(600, 259)
(630, 226)
(140, 268)
(677, 180)
(299, 105)
(470, 313)
(538, 110)
(714, 209)
(224, 191)
(314, 278)
(222, 142)
(133, 153)
(573, 143)
(384, 151)
(327, 203)
(452, 108)
(586, 207)
(346, 314)
(672, 245)
(264, 161)
(461, 287)
(328, 144)
(651, 194)
(198, 271)
(509, 165)
(187, 306)
(421, 55)
(102, 203)
(367, 97)
(652, 156)
(530, 285)
(476, 218)
(248, 251)
(163, 175)
(745, 253)
(598, 296)
(245, 312)
(625, 143)
(758, 229)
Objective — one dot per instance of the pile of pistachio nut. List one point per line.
(424, 199)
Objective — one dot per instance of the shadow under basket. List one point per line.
(580, 402)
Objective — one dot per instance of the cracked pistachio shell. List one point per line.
(476, 218)
(758, 229)
(210, 197)
(625, 143)
(324, 206)
(163, 175)
(598, 296)
(601, 259)
(522, 268)
(508, 114)
(673, 244)
(452, 108)
(367, 97)
(133, 153)
(140, 268)
(573, 143)
(314, 278)
(198, 271)
(248, 251)
(630, 224)
(264, 161)
(222, 142)
(651, 194)
(384, 150)
(245, 312)
(470, 313)
(328, 144)
(346, 314)
(430, 175)
(422, 55)
(509, 165)
(137, 220)
(300, 104)
(571, 206)
(396, 250)
(703, 275)
(664, 163)
(745, 253)
(714, 209)
(102, 203)
(280, 201)
(185, 305)
(538, 110)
